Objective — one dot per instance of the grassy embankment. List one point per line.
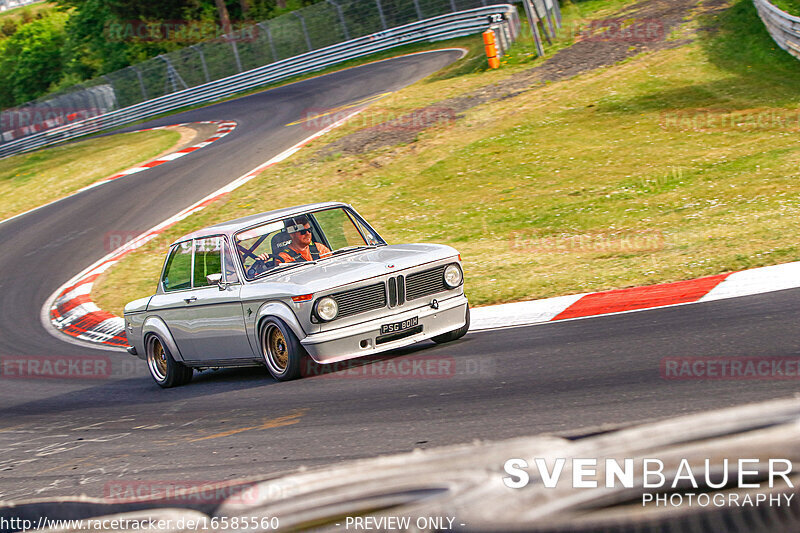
(22, 13)
(36, 178)
(672, 165)
(790, 6)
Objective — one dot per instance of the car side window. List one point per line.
(207, 259)
(177, 273)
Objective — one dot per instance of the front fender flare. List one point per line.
(154, 324)
(278, 310)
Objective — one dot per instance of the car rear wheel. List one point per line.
(283, 353)
(455, 334)
(166, 371)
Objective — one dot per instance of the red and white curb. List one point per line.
(742, 283)
(70, 308)
(224, 127)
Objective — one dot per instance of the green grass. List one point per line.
(646, 172)
(36, 178)
(790, 6)
(19, 13)
(13, 19)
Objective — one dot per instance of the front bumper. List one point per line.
(360, 339)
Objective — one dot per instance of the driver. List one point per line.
(301, 248)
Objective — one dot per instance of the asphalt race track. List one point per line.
(62, 438)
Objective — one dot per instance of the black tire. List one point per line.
(166, 371)
(455, 334)
(283, 354)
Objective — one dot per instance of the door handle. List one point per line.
(190, 299)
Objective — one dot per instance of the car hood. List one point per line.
(360, 265)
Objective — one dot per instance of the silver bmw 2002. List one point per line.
(269, 289)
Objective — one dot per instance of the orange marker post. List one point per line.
(491, 49)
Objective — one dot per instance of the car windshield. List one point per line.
(301, 239)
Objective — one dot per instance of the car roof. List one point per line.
(232, 226)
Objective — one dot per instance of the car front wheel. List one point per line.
(166, 371)
(283, 353)
(455, 334)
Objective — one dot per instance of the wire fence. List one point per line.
(783, 27)
(311, 28)
(448, 26)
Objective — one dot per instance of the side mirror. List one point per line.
(216, 279)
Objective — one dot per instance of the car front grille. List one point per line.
(361, 300)
(423, 283)
(397, 290)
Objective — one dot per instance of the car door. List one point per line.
(214, 319)
(174, 291)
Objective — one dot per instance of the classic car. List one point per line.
(270, 289)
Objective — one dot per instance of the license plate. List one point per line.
(399, 326)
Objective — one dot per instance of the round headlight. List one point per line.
(327, 309)
(453, 276)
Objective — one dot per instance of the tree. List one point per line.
(32, 59)
(74, 42)
(224, 18)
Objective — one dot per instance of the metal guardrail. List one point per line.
(783, 27)
(434, 29)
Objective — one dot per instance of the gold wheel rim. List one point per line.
(278, 349)
(158, 359)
